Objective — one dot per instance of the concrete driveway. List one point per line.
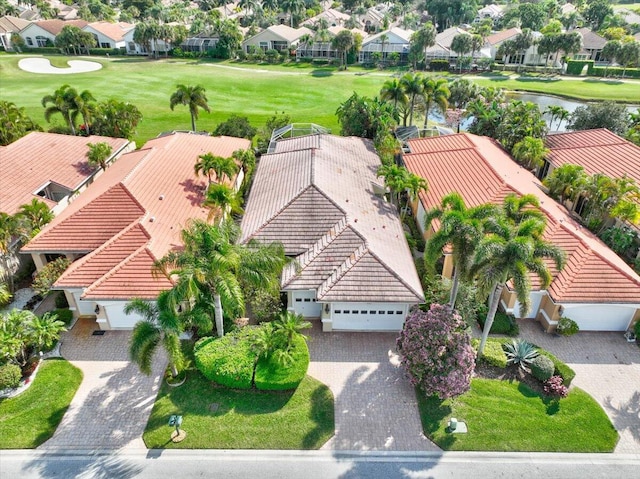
(112, 405)
(376, 408)
(607, 367)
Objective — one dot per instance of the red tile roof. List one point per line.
(39, 158)
(55, 26)
(500, 37)
(597, 151)
(484, 173)
(134, 211)
(114, 31)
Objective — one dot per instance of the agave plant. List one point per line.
(520, 352)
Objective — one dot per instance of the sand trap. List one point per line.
(43, 65)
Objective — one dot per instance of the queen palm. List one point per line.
(221, 166)
(83, 104)
(435, 92)
(393, 90)
(192, 96)
(221, 199)
(33, 216)
(412, 84)
(461, 228)
(530, 152)
(160, 324)
(557, 112)
(395, 177)
(414, 185)
(565, 182)
(213, 271)
(512, 253)
(62, 101)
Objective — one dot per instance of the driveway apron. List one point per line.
(112, 405)
(375, 406)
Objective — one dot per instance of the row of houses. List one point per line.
(319, 195)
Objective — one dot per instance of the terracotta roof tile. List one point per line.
(55, 26)
(485, 173)
(114, 31)
(500, 37)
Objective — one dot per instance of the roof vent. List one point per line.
(152, 219)
(355, 220)
(161, 197)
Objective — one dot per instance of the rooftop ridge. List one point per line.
(339, 272)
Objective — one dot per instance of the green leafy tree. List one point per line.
(434, 92)
(49, 274)
(236, 126)
(62, 102)
(212, 268)
(629, 55)
(46, 330)
(116, 119)
(596, 11)
(294, 7)
(412, 84)
(98, 154)
(518, 121)
(14, 123)
(461, 92)
(422, 39)
(565, 182)
(222, 167)
(461, 44)
(611, 52)
(10, 229)
(33, 217)
(192, 96)
(606, 114)
(557, 112)
(532, 16)
(365, 117)
(343, 42)
(160, 325)
(395, 178)
(530, 152)
(221, 199)
(393, 90)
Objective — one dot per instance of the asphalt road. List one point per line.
(311, 465)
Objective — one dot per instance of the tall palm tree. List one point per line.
(221, 166)
(342, 42)
(461, 228)
(83, 104)
(221, 199)
(393, 90)
(293, 7)
(412, 84)
(10, 228)
(192, 96)
(395, 177)
(160, 324)
(414, 185)
(434, 91)
(212, 271)
(62, 101)
(513, 253)
(34, 216)
(557, 112)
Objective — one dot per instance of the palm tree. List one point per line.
(557, 112)
(530, 152)
(517, 208)
(293, 7)
(414, 185)
(342, 42)
(461, 228)
(393, 90)
(83, 104)
(98, 154)
(289, 325)
(412, 84)
(10, 228)
(34, 216)
(160, 324)
(219, 165)
(395, 177)
(434, 91)
(221, 199)
(62, 101)
(512, 253)
(192, 96)
(46, 329)
(424, 38)
(506, 50)
(212, 271)
(565, 182)
(461, 44)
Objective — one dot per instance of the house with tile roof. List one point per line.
(441, 50)
(592, 45)
(596, 288)
(44, 32)
(276, 37)
(352, 268)
(334, 18)
(324, 50)
(131, 216)
(109, 35)
(50, 167)
(393, 40)
(8, 26)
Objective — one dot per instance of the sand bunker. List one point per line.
(43, 65)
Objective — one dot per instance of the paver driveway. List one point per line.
(112, 405)
(375, 406)
(608, 368)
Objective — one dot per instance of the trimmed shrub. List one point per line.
(502, 324)
(10, 375)
(542, 368)
(493, 353)
(560, 368)
(439, 65)
(636, 329)
(229, 360)
(553, 387)
(271, 375)
(567, 327)
(64, 315)
(49, 275)
(575, 67)
(61, 301)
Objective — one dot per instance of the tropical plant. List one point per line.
(413, 185)
(343, 42)
(557, 112)
(519, 120)
(412, 84)
(294, 7)
(98, 154)
(565, 182)
(393, 90)
(14, 123)
(115, 118)
(554, 387)
(192, 96)
(424, 38)
(567, 327)
(10, 229)
(284, 331)
(62, 102)
(530, 152)
(436, 352)
(619, 238)
(461, 44)
(21, 331)
(221, 166)
(520, 353)
(5, 295)
(46, 330)
(213, 272)
(49, 274)
(395, 178)
(365, 117)
(33, 217)
(221, 199)
(160, 324)
(542, 368)
(10, 375)
(607, 114)
(237, 126)
(434, 92)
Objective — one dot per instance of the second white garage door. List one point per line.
(368, 317)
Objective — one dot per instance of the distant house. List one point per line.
(109, 35)
(442, 48)
(324, 50)
(51, 168)
(131, 216)
(394, 40)
(592, 45)
(527, 57)
(133, 48)
(8, 26)
(44, 32)
(276, 37)
(492, 11)
(200, 43)
(597, 289)
(319, 196)
(333, 17)
(373, 20)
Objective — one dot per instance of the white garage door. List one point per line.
(600, 318)
(368, 317)
(304, 303)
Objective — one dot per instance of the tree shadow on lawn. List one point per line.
(433, 412)
(600, 81)
(322, 416)
(538, 79)
(322, 72)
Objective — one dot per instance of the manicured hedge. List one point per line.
(439, 65)
(64, 315)
(228, 360)
(272, 376)
(542, 368)
(502, 324)
(575, 67)
(615, 72)
(493, 353)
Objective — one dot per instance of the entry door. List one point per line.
(84, 307)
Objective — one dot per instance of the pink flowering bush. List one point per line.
(554, 387)
(436, 352)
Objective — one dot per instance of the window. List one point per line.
(363, 312)
(298, 300)
(105, 45)
(338, 311)
(307, 300)
(264, 46)
(41, 41)
(29, 41)
(313, 300)
(389, 312)
(346, 311)
(372, 312)
(398, 312)
(380, 312)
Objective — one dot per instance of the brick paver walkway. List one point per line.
(375, 406)
(112, 405)
(608, 368)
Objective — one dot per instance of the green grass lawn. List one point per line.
(306, 92)
(505, 416)
(244, 419)
(28, 420)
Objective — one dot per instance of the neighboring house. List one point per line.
(134, 48)
(394, 40)
(528, 57)
(109, 35)
(131, 216)
(592, 45)
(567, 8)
(319, 196)
(65, 12)
(373, 20)
(493, 11)
(49, 167)
(276, 37)
(200, 43)
(334, 18)
(596, 288)
(442, 48)
(44, 32)
(324, 50)
(8, 26)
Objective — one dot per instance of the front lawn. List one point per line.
(216, 417)
(509, 416)
(28, 420)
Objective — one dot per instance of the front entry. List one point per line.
(304, 303)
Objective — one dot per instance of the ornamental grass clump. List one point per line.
(553, 387)
(436, 352)
(520, 352)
